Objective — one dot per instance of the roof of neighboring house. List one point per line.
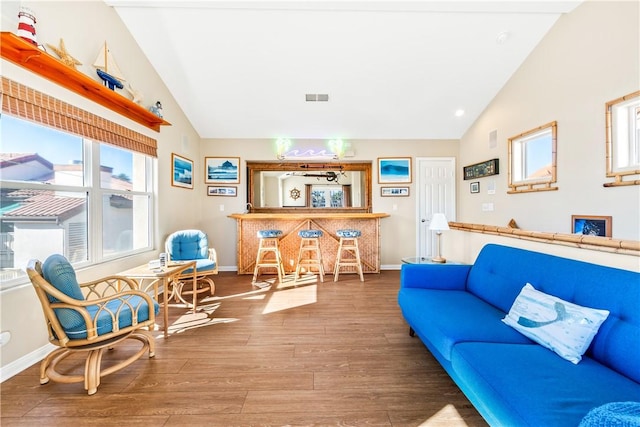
(10, 159)
(46, 205)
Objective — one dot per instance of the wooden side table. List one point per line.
(160, 276)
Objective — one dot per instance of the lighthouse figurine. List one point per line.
(27, 25)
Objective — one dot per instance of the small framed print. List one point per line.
(217, 190)
(591, 225)
(222, 170)
(394, 170)
(181, 171)
(475, 187)
(394, 191)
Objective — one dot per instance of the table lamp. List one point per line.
(438, 224)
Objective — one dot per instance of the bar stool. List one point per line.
(269, 245)
(310, 255)
(348, 246)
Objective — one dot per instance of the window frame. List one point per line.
(613, 144)
(527, 185)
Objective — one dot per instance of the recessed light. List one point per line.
(459, 113)
(503, 37)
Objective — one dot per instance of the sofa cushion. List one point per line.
(446, 317)
(528, 385)
(561, 326)
(499, 273)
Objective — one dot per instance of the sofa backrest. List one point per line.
(500, 272)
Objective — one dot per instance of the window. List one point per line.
(532, 160)
(623, 138)
(327, 197)
(62, 193)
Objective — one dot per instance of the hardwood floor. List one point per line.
(318, 354)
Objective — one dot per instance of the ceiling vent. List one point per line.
(312, 97)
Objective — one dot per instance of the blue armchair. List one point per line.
(89, 318)
(192, 245)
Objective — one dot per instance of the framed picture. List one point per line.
(482, 169)
(393, 170)
(394, 191)
(181, 171)
(591, 225)
(475, 187)
(217, 190)
(222, 170)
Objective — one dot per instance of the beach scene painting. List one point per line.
(394, 170)
(222, 170)
(182, 168)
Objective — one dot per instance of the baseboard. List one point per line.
(391, 267)
(25, 362)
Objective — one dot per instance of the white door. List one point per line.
(436, 189)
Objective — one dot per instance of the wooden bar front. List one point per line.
(249, 224)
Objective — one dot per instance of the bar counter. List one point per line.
(248, 225)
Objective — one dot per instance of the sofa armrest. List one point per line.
(434, 276)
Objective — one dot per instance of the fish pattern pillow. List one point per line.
(561, 326)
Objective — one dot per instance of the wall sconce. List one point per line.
(282, 146)
(439, 224)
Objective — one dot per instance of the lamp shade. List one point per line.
(439, 222)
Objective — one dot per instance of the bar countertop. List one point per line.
(309, 215)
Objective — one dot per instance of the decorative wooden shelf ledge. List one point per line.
(26, 55)
(605, 244)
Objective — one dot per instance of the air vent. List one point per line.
(312, 97)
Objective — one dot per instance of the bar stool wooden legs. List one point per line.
(310, 256)
(348, 254)
(269, 245)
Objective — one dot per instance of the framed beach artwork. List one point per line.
(218, 190)
(222, 170)
(394, 191)
(181, 171)
(393, 170)
(591, 225)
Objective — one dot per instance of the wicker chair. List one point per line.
(192, 245)
(89, 318)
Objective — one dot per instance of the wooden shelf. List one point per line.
(26, 55)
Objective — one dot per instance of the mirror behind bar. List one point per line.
(309, 186)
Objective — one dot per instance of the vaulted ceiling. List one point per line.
(391, 69)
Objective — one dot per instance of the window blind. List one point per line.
(30, 104)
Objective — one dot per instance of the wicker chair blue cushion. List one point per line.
(190, 245)
(310, 234)
(348, 233)
(267, 234)
(59, 272)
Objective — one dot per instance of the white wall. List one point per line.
(591, 56)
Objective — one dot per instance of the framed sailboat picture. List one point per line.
(222, 170)
(181, 171)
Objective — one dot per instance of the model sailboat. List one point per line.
(107, 69)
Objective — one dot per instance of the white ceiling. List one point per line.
(392, 69)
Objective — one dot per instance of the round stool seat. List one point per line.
(310, 234)
(348, 233)
(265, 234)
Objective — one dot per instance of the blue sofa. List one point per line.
(457, 312)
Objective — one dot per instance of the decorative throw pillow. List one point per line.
(561, 326)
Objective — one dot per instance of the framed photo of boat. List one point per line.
(222, 170)
(181, 171)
